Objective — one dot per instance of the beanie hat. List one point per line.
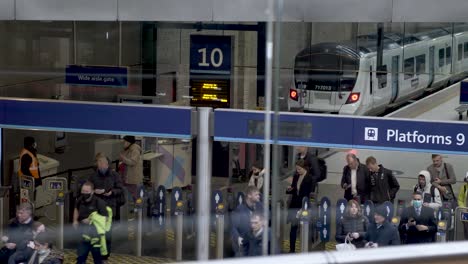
(129, 139)
(382, 211)
(28, 142)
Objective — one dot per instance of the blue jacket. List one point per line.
(386, 235)
(240, 222)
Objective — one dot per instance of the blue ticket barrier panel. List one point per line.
(368, 210)
(340, 210)
(240, 198)
(158, 220)
(216, 198)
(390, 210)
(175, 197)
(325, 219)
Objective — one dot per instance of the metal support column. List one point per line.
(204, 155)
(61, 224)
(178, 235)
(304, 236)
(219, 236)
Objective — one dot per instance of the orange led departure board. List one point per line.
(210, 92)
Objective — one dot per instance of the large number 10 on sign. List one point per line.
(210, 54)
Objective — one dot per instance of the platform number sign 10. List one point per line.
(216, 58)
(210, 54)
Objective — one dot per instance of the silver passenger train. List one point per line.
(339, 78)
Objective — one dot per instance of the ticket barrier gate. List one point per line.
(57, 187)
(304, 218)
(4, 197)
(461, 222)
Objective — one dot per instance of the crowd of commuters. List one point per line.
(96, 207)
(95, 213)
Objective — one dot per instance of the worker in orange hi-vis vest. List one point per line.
(29, 164)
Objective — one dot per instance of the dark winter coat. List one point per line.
(385, 235)
(350, 224)
(384, 186)
(362, 185)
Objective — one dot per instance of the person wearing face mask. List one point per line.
(87, 204)
(107, 186)
(256, 175)
(42, 251)
(28, 162)
(418, 224)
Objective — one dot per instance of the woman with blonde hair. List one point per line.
(353, 225)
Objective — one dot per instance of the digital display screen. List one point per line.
(55, 185)
(296, 130)
(210, 92)
(464, 216)
(26, 183)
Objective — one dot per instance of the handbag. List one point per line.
(346, 246)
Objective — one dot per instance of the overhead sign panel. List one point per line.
(344, 131)
(97, 76)
(210, 70)
(171, 122)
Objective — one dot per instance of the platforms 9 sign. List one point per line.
(415, 135)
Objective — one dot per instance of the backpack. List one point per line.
(323, 169)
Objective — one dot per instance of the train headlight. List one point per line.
(353, 97)
(293, 94)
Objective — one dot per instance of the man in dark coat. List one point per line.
(418, 224)
(355, 180)
(240, 219)
(381, 233)
(384, 185)
(19, 232)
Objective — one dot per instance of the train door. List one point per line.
(395, 77)
(381, 91)
(431, 65)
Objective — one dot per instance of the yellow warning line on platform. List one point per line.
(70, 258)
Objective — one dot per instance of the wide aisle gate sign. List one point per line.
(344, 131)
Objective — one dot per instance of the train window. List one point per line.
(382, 76)
(448, 55)
(460, 51)
(465, 50)
(409, 68)
(420, 64)
(441, 57)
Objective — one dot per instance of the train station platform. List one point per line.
(405, 165)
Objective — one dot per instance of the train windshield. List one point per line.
(326, 72)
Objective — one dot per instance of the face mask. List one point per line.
(86, 196)
(102, 171)
(417, 203)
